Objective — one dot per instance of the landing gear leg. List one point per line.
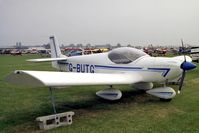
(166, 83)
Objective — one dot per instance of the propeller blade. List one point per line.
(182, 43)
(181, 81)
(183, 48)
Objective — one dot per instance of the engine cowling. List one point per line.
(162, 92)
(143, 86)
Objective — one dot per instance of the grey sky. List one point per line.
(160, 22)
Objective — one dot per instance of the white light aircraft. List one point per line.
(123, 65)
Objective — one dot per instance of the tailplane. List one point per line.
(56, 55)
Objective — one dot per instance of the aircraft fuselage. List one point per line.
(161, 68)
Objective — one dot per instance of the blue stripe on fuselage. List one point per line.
(116, 67)
(163, 70)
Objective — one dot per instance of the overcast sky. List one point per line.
(160, 22)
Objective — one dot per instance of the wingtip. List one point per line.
(29, 60)
(32, 60)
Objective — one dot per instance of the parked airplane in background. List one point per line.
(123, 65)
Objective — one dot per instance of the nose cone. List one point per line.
(187, 66)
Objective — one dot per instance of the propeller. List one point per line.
(183, 48)
(183, 73)
(184, 66)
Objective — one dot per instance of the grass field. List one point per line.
(135, 112)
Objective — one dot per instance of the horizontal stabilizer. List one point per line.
(47, 78)
(47, 59)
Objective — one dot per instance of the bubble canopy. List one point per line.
(125, 55)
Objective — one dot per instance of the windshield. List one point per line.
(125, 55)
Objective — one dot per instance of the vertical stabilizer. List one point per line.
(55, 51)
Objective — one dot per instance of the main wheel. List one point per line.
(165, 100)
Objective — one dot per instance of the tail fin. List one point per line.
(55, 51)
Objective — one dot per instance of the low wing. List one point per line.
(47, 59)
(47, 78)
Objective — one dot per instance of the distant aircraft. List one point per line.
(123, 65)
(16, 52)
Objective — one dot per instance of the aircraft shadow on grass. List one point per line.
(132, 96)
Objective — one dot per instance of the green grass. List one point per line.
(135, 112)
